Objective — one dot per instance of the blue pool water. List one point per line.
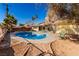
(31, 35)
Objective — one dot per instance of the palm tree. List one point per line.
(34, 17)
(9, 21)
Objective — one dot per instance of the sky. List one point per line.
(23, 12)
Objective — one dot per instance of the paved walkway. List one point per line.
(5, 48)
(40, 45)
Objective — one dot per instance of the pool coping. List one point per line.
(48, 39)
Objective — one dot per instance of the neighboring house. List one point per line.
(21, 28)
(35, 28)
(38, 27)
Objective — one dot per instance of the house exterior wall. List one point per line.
(21, 29)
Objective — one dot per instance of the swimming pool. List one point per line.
(31, 35)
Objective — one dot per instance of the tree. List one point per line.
(34, 17)
(9, 22)
(21, 24)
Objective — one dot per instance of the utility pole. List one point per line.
(7, 10)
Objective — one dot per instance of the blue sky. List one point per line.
(24, 11)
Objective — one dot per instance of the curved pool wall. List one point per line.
(31, 35)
